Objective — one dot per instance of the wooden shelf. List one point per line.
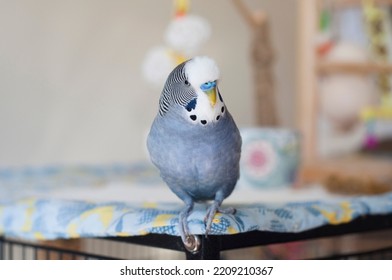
(350, 175)
(354, 68)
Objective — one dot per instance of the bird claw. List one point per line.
(187, 239)
(184, 231)
(211, 212)
(191, 243)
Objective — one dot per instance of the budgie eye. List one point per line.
(187, 83)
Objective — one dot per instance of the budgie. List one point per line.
(194, 141)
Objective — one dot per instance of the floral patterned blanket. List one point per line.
(62, 202)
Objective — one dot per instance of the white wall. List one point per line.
(71, 88)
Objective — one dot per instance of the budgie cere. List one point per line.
(194, 141)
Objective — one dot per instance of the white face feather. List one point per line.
(200, 70)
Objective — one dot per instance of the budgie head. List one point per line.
(191, 92)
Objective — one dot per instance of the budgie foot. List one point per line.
(211, 212)
(191, 242)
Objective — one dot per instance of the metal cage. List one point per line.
(212, 246)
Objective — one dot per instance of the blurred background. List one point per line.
(80, 80)
(307, 82)
(71, 82)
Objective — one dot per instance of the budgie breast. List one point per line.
(198, 160)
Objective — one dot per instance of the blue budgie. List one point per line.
(194, 141)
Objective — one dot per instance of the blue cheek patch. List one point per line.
(191, 105)
(207, 86)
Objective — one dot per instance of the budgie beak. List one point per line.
(210, 89)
